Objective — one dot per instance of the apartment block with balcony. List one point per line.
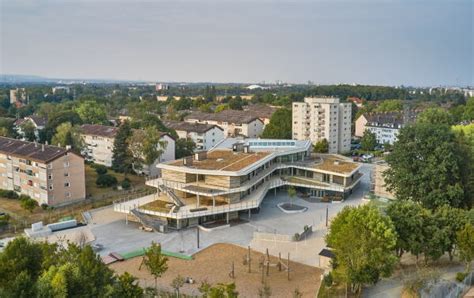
(321, 118)
(205, 136)
(51, 175)
(99, 143)
(235, 176)
(234, 123)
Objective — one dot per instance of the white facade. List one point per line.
(316, 119)
(252, 129)
(98, 149)
(167, 155)
(203, 140)
(384, 134)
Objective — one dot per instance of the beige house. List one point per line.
(321, 118)
(99, 143)
(51, 175)
(233, 122)
(263, 112)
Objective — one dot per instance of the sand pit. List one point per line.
(214, 265)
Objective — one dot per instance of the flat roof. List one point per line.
(335, 163)
(224, 160)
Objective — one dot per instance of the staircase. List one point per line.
(150, 222)
(172, 195)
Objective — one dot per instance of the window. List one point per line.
(66, 174)
(67, 184)
(50, 177)
(66, 164)
(51, 187)
(50, 166)
(68, 195)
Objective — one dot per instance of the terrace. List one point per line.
(224, 160)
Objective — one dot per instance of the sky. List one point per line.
(404, 42)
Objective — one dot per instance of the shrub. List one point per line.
(4, 220)
(126, 183)
(101, 169)
(106, 180)
(9, 194)
(328, 280)
(44, 206)
(460, 276)
(296, 237)
(28, 203)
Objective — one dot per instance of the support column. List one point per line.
(197, 200)
(227, 217)
(213, 202)
(250, 213)
(275, 192)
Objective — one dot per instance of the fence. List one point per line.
(448, 289)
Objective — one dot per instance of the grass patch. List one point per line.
(92, 190)
(157, 205)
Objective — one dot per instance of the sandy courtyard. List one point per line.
(214, 265)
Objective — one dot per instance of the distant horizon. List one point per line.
(45, 79)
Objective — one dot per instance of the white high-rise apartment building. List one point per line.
(319, 118)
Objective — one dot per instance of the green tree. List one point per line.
(221, 108)
(409, 219)
(122, 158)
(368, 141)
(465, 244)
(220, 290)
(391, 105)
(177, 284)
(28, 129)
(184, 147)
(363, 241)
(435, 116)
(321, 146)
(68, 135)
(279, 126)
(126, 286)
(291, 193)
(468, 114)
(155, 262)
(146, 146)
(92, 112)
(450, 220)
(425, 166)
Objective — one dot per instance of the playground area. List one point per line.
(214, 265)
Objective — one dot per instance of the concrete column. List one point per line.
(250, 213)
(275, 192)
(227, 217)
(213, 201)
(197, 200)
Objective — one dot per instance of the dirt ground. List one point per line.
(214, 265)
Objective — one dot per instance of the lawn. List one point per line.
(92, 190)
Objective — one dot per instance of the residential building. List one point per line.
(99, 145)
(50, 175)
(18, 96)
(61, 89)
(168, 153)
(161, 86)
(357, 101)
(233, 122)
(319, 118)
(385, 126)
(234, 177)
(38, 123)
(205, 136)
(263, 112)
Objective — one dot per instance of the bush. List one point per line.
(126, 183)
(101, 169)
(9, 194)
(106, 180)
(4, 220)
(328, 280)
(44, 206)
(296, 237)
(28, 203)
(460, 276)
